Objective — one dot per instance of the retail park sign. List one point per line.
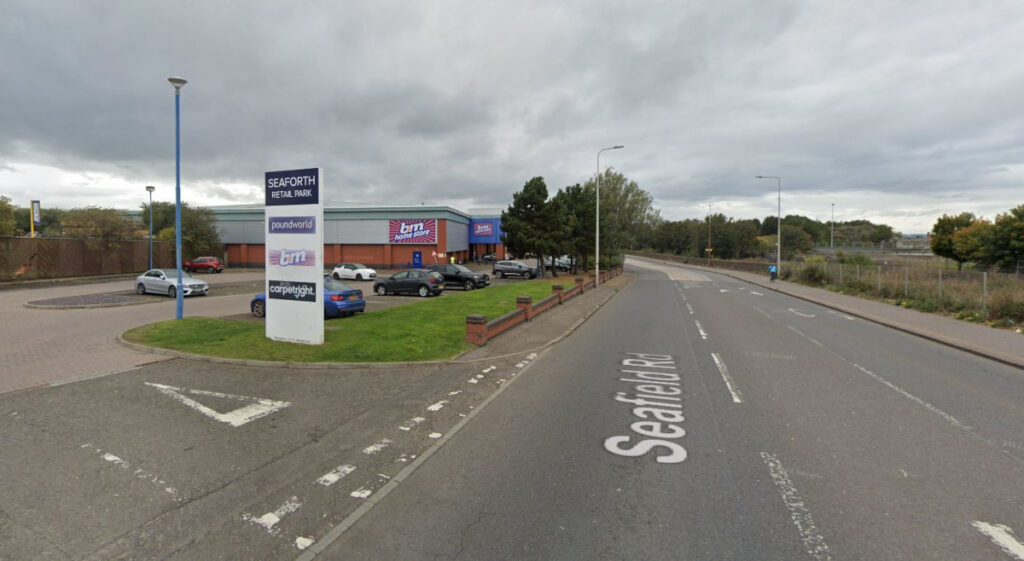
(294, 256)
(412, 231)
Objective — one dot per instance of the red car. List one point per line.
(208, 264)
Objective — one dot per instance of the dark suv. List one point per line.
(460, 275)
(513, 268)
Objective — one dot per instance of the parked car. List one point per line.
(208, 264)
(562, 263)
(513, 268)
(340, 300)
(460, 275)
(165, 281)
(354, 271)
(412, 281)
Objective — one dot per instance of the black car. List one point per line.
(460, 275)
(412, 281)
(513, 268)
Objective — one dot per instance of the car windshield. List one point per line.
(335, 285)
(173, 273)
(462, 268)
(358, 266)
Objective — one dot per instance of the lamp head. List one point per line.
(617, 147)
(150, 188)
(177, 82)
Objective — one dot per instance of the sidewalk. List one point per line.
(997, 344)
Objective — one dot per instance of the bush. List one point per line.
(854, 259)
(1005, 308)
(813, 274)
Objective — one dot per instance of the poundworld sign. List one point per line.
(294, 215)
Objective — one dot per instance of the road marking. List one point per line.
(437, 406)
(1002, 536)
(270, 519)
(798, 332)
(801, 313)
(842, 315)
(361, 493)
(435, 435)
(689, 308)
(139, 473)
(953, 420)
(260, 408)
(723, 290)
(376, 447)
(303, 543)
(736, 396)
(756, 293)
(335, 475)
(489, 368)
(813, 542)
(762, 312)
(700, 328)
(411, 423)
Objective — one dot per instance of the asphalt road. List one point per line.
(767, 428)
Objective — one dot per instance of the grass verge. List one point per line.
(430, 329)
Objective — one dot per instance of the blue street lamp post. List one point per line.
(150, 189)
(597, 217)
(178, 83)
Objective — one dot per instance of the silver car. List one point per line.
(165, 281)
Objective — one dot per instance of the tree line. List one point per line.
(967, 238)
(105, 227)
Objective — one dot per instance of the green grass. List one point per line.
(429, 329)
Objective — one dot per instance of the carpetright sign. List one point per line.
(412, 231)
(295, 241)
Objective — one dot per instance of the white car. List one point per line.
(165, 281)
(353, 271)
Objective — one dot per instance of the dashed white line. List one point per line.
(736, 396)
(756, 293)
(813, 542)
(269, 520)
(798, 332)
(361, 493)
(411, 423)
(953, 420)
(377, 447)
(336, 474)
(1002, 536)
(700, 328)
(437, 406)
(801, 313)
(303, 543)
(689, 308)
(489, 368)
(138, 473)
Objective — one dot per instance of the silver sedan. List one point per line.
(165, 281)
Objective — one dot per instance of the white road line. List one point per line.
(1002, 536)
(736, 396)
(437, 406)
(303, 543)
(953, 420)
(336, 474)
(376, 447)
(798, 332)
(700, 328)
(813, 542)
(411, 423)
(762, 312)
(361, 493)
(270, 519)
(260, 408)
(842, 315)
(756, 293)
(138, 473)
(689, 308)
(801, 313)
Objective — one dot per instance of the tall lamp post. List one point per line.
(178, 83)
(597, 226)
(150, 189)
(778, 246)
(832, 233)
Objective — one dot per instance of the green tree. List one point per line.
(625, 210)
(795, 240)
(942, 236)
(577, 204)
(199, 234)
(527, 223)
(8, 224)
(101, 227)
(1007, 241)
(974, 243)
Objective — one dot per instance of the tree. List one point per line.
(529, 225)
(577, 203)
(101, 227)
(8, 224)
(942, 236)
(795, 240)
(625, 210)
(974, 243)
(199, 234)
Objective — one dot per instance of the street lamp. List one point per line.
(597, 227)
(150, 189)
(178, 83)
(778, 246)
(832, 233)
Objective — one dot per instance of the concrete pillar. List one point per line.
(476, 329)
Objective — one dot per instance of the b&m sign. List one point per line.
(483, 229)
(412, 231)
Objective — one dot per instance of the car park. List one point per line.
(165, 281)
(340, 300)
(461, 276)
(208, 264)
(513, 268)
(562, 263)
(412, 281)
(353, 271)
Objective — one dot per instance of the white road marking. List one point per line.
(723, 290)
(531, 356)
(376, 447)
(1002, 536)
(138, 473)
(813, 542)
(333, 476)
(270, 519)
(435, 435)
(801, 313)
(361, 493)
(472, 380)
(411, 423)
(762, 312)
(456, 392)
(303, 543)
(489, 368)
(520, 364)
(953, 420)
(798, 332)
(842, 315)
(689, 308)
(700, 328)
(260, 408)
(756, 293)
(736, 396)
(437, 406)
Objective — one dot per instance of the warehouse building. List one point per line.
(380, 237)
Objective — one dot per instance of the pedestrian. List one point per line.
(773, 272)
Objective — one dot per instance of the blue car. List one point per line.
(340, 300)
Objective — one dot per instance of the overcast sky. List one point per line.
(895, 111)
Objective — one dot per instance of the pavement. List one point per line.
(1002, 345)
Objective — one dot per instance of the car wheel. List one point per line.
(172, 292)
(209, 270)
(140, 289)
(335, 276)
(527, 276)
(382, 290)
(424, 291)
(359, 277)
(498, 274)
(259, 309)
(470, 285)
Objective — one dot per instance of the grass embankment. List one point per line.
(429, 329)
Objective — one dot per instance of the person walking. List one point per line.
(773, 272)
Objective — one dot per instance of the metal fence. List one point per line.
(42, 258)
